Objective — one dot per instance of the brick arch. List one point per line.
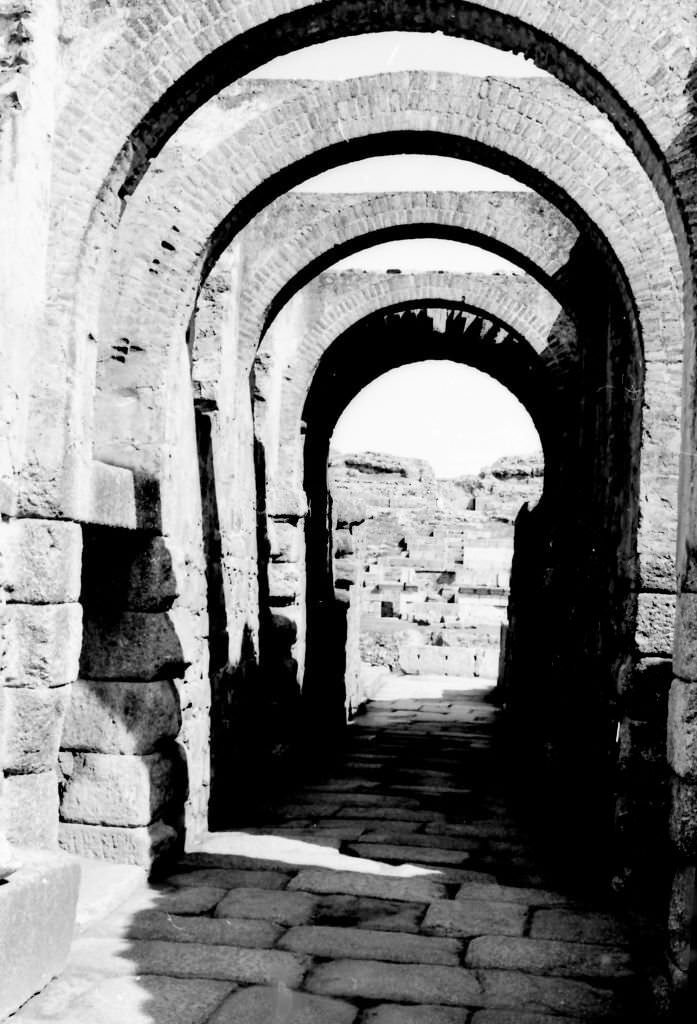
(151, 70)
(305, 234)
(154, 68)
(535, 129)
(515, 302)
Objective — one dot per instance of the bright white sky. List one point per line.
(453, 416)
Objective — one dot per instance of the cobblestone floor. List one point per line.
(396, 891)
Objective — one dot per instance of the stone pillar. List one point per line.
(682, 758)
(41, 647)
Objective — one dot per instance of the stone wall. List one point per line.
(112, 225)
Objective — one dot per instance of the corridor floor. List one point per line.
(396, 891)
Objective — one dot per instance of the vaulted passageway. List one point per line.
(174, 634)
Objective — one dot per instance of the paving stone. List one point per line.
(517, 991)
(412, 890)
(364, 944)
(355, 799)
(412, 983)
(474, 917)
(510, 894)
(157, 924)
(365, 912)
(197, 900)
(407, 854)
(188, 960)
(403, 838)
(572, 926)
(516, 1017)
(266, 1005)
(287, 908)
(229, 878)
(389, 814)
(390, 1013)
(547, 956)
(130, 1000)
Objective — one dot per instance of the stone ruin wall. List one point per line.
(429, 565)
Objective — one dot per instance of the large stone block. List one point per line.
(682, 729)
(41, 561)
(680, 915)
(29, 809)
(37, 915)
(132, 645)
(644, 687)
(683, 817)
(286, 540)
(33, 720)
(655, 622)
(121, 717)
(685, 654)
(141, 846)
(152, 583)
(113, 789)
(284, 582)
(43, 644)
(111, 500)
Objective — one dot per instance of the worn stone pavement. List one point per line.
(397, 891)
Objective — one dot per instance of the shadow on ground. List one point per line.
(397, 887)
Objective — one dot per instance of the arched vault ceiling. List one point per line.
(537, 127)
(300, 235)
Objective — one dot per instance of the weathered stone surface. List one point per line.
(42, 561)
(188, 960)
(517, 991)
(160, 924)
(547, 956)
(197, 900)
(121, 717)
(231, 878)
(655, 622)
(389, 1013)
(152, 582)
(44, 644)
(364, 944)
(644, 687)
(685, 653)
(411, 890)
(111, 789)
(474, 917)
(141, 845)
(412, 983)
(112, 497)
(680, 916)
(33, 718)
(133, 645)
(29, 809)
(517, 1017)
(37, 914)
(287, 908)
(408, 854)
(365, 912)
(261, 1005)
(683, 817)
(571, 926)
(137, 1000)
(682, 729)
(510, 894)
